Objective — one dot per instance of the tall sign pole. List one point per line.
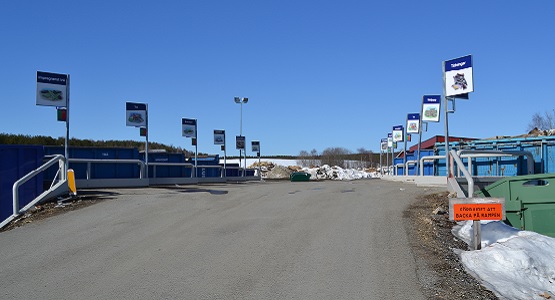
(458, 81)
(240, 145)
(136, 115)
(219, 139)
(398, 133)
(431, 108)
(189, 130)
(255, 145)
(53, 90)
(413, 126)
(383, 149)
(389, 147)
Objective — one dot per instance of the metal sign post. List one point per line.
(189, 130)
(219, 139)
(413, 126)
(457, 83)
(240, 145)
(53, 90)
(389, 148)
(398, 136)
(383, 149)
(136, 115)
(255, 145)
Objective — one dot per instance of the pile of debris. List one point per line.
(532, 133)
(270, 170)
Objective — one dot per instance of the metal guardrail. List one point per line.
(142, 165)
(461, 167)
(90, 161)
(467, 153)
(62, 172)
(425, 158)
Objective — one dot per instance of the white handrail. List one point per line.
(88, 161)
(431, 157)
(60, 159)
(465, 172)
(469, 153)
(409, 162)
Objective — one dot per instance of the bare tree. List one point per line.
(365, 157)
(543, 122)
(303, 159)
(334, 156)
(314, 161)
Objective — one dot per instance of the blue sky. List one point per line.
(317, 74)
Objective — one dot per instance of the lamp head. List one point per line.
(245, 100)
(237, 100)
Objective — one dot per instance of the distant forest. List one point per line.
(19, 139)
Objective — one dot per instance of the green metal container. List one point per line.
(529, 201)
(299, 176)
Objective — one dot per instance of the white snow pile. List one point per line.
(337, 173)
(271, 170)
(513, 264)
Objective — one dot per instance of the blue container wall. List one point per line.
(549, 158)
(541, 148)
(412, 170)
(210, 161)
(232, 172)
(17, 161)
(103, 170)
(203, 172)
(167, 171)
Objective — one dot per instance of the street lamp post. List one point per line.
(241, 101)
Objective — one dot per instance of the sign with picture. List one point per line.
(255, 145)
(135, 114)
(240, 142)
(458, 76)
(383, 144)
(52, 89)
(389, 140)
(430, 108)
(189, 128)
(398, 133)
(413, 123)
(219, 137)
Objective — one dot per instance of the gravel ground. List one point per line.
(440, 272)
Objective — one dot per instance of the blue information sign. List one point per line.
(458, 76)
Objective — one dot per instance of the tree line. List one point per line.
(20, 139)
(338, 156)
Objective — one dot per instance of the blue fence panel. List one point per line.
(232, 172)
(541, 148)
(127, 170)
(17, 161)
(98, 170)
(412, 169)
(167, 171)
(104, 170)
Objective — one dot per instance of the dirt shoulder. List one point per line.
(58, 206)
(439, 270)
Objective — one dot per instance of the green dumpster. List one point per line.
(529, 201)
(299, 176)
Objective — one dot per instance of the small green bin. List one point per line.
(529, 201)
(299, 176)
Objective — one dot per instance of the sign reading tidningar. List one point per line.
(476, 209)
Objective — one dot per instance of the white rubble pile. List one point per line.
(271, 170)
(337, 173)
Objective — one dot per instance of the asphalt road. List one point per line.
(268, 240)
